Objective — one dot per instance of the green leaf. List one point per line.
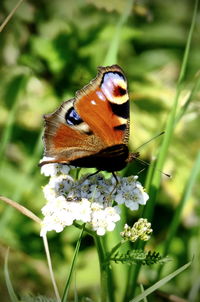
(72, 268)
(11, 291)
(111, 57)
(160, 283)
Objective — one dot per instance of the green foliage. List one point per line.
(139, 257)
(50, 49)
(37, 299)
(160, 283)
(9, 285)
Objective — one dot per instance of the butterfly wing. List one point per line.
(104, 105)
(98, 118)
(67, 137)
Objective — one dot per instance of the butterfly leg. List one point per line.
(88, 176)
(117, 181)
(109, 198)
(115, 177)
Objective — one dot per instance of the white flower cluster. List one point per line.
(53, 169)
(93, 200)
(131, 193)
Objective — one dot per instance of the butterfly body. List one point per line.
(110, 159)
(92, 130)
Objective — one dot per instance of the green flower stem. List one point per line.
(132, 276)
(80, 226)
(72, 268)
(107, 292)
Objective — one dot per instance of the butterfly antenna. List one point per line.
(148, 164)
(156, 136)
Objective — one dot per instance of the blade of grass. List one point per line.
(160, 283)
(156, 179)
(154, 176)
(21, 209)
(142, 290)
(111, 57)
(148, 179)
(14, 94)
(69, 279)
(10, 15)
(193, 92)
(11, 291)
(23, 184)
(185, 196)
(46, 247)
(194, 291)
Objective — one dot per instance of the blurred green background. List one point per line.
(50, 49)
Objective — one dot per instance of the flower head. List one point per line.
(131, 193)
(141, 229)
(90, 200)
(104, 219)
(53, 169)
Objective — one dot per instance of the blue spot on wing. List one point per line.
(72, 118)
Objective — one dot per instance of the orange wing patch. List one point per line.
(99, 116)
(104, 105)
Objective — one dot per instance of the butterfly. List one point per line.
(92, 129)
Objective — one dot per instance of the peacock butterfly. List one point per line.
(92, 129)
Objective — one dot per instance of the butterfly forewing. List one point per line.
(104, 105)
